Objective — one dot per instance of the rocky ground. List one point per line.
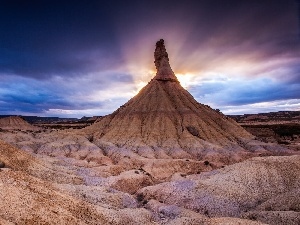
(62, 177)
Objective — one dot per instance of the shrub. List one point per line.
(140, 197)
(2, 164)
(145, 202)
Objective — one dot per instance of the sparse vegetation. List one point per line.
(141, 169)
(140, 197)
(284, 134)
(90, 138)
(283, 142)
(268, 208)
(145, 202)
(252, 217)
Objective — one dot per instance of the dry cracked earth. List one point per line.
(162, 158)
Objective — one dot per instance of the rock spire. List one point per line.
(164, 71)
(164, 121)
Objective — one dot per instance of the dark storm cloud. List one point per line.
(203, 35)
(42, 38)
(298, 1)
(290, 75)
(39, 38)
(79, 55)
(38, 96)
(237, 92)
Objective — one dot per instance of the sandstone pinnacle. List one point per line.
(164, 121)
(164, 71)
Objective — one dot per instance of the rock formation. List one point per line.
(152, 161)
(164, 71)
(16, 123)
(164, 121)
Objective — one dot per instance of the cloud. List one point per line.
(82, 58)
(43, 39)
(84, 94)
(241, 91)
(273, 106)
(234, 95)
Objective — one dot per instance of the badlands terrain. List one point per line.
(277, 127)
(161, 158)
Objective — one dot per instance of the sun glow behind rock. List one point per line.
(141, 79)
(185, 79)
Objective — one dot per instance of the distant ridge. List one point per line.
(41, 119)
(287, 116)
(16, 123)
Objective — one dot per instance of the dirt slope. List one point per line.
(16, 123)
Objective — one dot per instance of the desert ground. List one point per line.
(161, 158)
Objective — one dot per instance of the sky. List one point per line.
(85, 58)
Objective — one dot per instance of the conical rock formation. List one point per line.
(164, 71)
(16, 123)
(164, 121)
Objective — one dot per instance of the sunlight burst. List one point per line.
(185, 79)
